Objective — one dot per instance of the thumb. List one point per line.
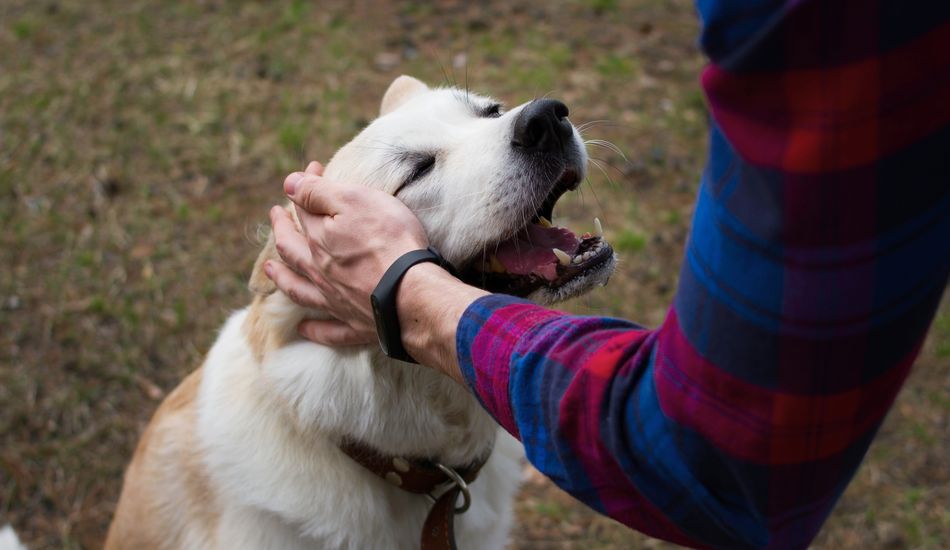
(316, 194)
(332, 333)
(314, 168)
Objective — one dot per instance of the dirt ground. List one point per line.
(141, 144)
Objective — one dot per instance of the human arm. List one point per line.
(816, 258)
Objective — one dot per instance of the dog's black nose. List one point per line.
(542, 126)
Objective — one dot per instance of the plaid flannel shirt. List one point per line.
(818, 254)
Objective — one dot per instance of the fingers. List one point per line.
(296, 287)
(314, 168)
(305, 293)
(292, 246)
(316, 194)
(333, 333)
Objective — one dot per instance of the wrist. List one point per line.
(430, 303)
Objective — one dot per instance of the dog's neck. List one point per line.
(395, 407)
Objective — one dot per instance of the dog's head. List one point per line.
(484, 182)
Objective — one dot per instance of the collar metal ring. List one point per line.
(460, 483)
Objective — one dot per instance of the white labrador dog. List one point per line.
(245, 453)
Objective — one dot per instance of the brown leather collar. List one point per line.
(424, 477)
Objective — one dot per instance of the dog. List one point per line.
(9, 540)
(248, 452)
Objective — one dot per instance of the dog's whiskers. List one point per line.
(600, 165)
(604, 164)
(604, 144)
(454, 200)
(590, 124)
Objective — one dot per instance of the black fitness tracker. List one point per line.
(383, 300)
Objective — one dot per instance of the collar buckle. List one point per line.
(458, 482)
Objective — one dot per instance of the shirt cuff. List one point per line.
(486, 339)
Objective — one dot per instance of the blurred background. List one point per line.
(142, 143)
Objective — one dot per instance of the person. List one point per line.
(817, 256)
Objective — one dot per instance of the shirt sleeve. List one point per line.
(817, 256)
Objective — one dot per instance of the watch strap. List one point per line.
(383, 300)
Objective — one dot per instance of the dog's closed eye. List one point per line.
(420, 164)
(490, 111)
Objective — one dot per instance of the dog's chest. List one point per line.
(274, 481)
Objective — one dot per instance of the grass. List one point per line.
(616, 66)
(141, 144)
(23, 29)
(629, 241)
(941, 335)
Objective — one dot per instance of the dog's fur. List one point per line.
(243, 454)
(9, 540)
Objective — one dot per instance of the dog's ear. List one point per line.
(260, 283)
(403, 88)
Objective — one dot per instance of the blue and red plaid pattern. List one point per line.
(818, 254)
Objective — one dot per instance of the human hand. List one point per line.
(351, 235)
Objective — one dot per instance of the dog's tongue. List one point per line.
(530, 250)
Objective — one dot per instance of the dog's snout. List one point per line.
(542, 126)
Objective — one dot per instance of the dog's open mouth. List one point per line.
(541, 254)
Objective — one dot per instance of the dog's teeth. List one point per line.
(598, 228)
(496, 265)
(563, 258)
(544, 222)
(577, 260)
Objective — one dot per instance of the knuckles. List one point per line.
(293, 294)
(350, 196)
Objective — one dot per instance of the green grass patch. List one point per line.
(630, 241)
(602, 6)
(292, 18)
(417, 9)
(497, 45)
(215, 213)
(553, 510)
(939, 398)
(616, 66)
(922, 433)
(23, 29)
(537, 79)
(97, 305)
(292, 137)
(913, 495)
(296, 11)
(85, 259)
(181, 313)
(560, 55)
(694, 99)
(941, 335)
(673, 217)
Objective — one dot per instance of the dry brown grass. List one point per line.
(142, 142)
